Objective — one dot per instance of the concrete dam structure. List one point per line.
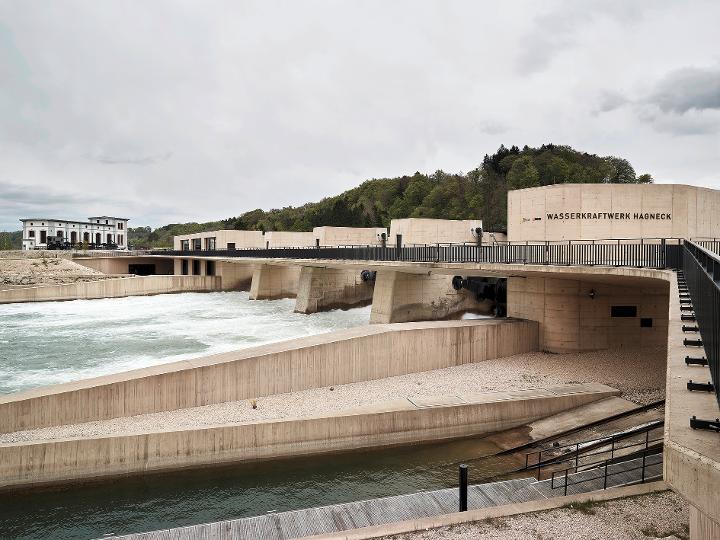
(583, 268)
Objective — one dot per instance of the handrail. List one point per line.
(701, 268)
(640, 254)
(589, 444)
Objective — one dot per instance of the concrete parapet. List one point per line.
(345, 356)
(691, 458)
(111, 288)
(394, 423)
(322, 289)
(401, 297)
(270, 282)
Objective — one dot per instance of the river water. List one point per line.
(49, 343)
(55, 342)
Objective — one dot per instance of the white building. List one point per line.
(98, 231)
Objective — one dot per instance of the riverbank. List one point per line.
(42, 268)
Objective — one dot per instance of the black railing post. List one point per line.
(566, 480)
(463, 487)
(605, 475)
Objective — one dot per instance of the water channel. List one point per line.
(57, 342)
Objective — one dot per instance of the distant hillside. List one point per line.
(481, 193)
(10, 240)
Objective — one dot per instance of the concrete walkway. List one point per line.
(348, 516)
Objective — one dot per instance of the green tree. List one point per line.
(523, 174)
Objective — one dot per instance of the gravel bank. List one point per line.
(44, 271)
(639, 374)
(656, 515)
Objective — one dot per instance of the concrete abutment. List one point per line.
(403, 297)
(322, 289)
(270, 282)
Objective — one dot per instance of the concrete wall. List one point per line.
(357, 354)
(111, 288)
(121, 265)
(271, 282)
(433, 231)
(241, 239)
(570, 320)
(322, 289)
(402, 297)
(349, 236)
(385, 424)
(278, 239)
(689, 212)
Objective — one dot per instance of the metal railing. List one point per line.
(641, 253)
(701, 268)
(614, 449)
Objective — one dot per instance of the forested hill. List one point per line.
(480, 193)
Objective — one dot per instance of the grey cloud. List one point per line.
(610, 100)
(267, 104)
(686, 89)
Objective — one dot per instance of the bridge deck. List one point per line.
(353, 515)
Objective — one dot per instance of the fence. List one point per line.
(701, 268)
(647, 253)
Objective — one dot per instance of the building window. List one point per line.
(197, 244)
(185, 245)
(98, 221)
(231, 246)
(210, 243)
(120, 239)
(210, 268)
(184, 267)
(196, 267)
(623, 311)
(645, 323)
(59, 234)
(86, 237)
(120, 225)
(32, 234)
(106, 222)
(43, 237)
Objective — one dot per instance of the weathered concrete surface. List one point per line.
(575, 314)
(691, 457)
(270, 282)
(322, 289)
(352, 355)
(111, 288)
(402, 297)
(392, 423)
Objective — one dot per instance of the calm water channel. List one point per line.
(57, 342)
(176, 499)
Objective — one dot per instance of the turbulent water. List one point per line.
(56, 342)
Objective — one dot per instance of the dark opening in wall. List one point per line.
(210, 268)
(623, 311)
(646, 323)
(196, 267)
(142, 269)
(184, 267)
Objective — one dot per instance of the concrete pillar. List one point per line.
(235, 276)
(401, 297)
(322, 289)
(270, 282)
(576, 315)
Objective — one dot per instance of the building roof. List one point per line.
(48, 220)
(109, 217)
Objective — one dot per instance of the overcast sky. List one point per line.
(174, 111)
